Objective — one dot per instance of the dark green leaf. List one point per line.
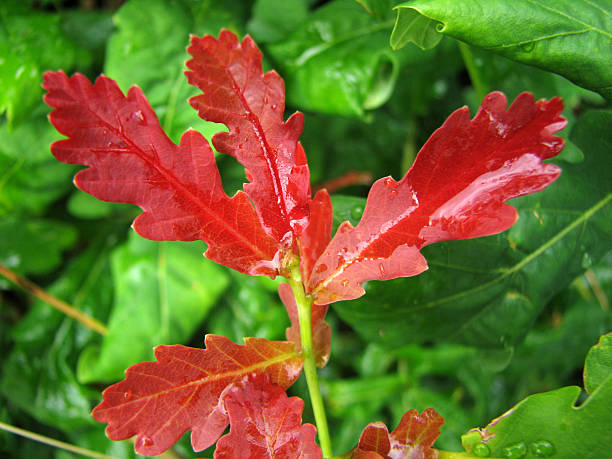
(30, 43)
(273, 20)
(163, 290)
(33, 246)
(488, 291)
(38, 375)
(337, 61)
(573, 39)
(598, 365)
(148, 50)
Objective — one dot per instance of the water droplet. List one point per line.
(344, 283)
(381, 268)
(357, 212)
(274, 107)
(237, 130)
(321, 268)
(587, 261)
(481, 450)
(515, 451)
(542, 448)
(146, 441)
(138, 117)
(389, 181)
(127, 395)
(528, 47)
(393, 193)
(266, 100)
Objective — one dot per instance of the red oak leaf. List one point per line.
(317, 234)
(161, 400)
(265, 424)
(251, 104)
(321, 331)
(133, 161)
(455, 190)
(411, 439)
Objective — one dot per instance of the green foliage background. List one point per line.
(493, 320)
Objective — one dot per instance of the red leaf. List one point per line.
(455, 190)
(133, 161)
(161, 400)
(265, 423)
(317, 234)
(251, 104)
(321, 331)
(412, 438)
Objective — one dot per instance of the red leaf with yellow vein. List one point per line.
(250, 103)
(411, 439)
(133, 161)
(159, 401)
(265, 424)
(321, 331)
(456, 189)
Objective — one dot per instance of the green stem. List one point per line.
(304, 306)
(472, 69)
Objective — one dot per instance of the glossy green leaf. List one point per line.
(488, 292)
(148, 50)
(38, 375)
(336, 62)
(30, 43)
(563, 36)
(598, 365)
(163, 290)
(273, 20)
(33, 246)
(30, 178)
(552, 424)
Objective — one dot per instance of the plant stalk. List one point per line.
(58, 304)
(470, 65)
(304, 307)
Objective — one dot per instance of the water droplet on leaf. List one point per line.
(587, 261)
(542, 448)
(321, 268)
(381, 268)
(515, 451)
(344, 283)
(127, 395)
(481, 450)
(138, 117)
(146, 441)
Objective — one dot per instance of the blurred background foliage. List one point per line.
(492, 321)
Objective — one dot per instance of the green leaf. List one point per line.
(33, 246)
(148, 50)
(38, 375)
(562, 36)
(598, 365)
(549, 424)
(30, 177)
(379, 8)
(338, 61)
(273, 20)
(163, 291)
(487, 292)
(30, 43)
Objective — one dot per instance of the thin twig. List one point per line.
(597, 290)
(62, 306)
(52, 442)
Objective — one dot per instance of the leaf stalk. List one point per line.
(472, 69)
(304, 307)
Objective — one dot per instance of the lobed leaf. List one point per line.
(317, 233)
(570, 38)
(251, 104)
(598, 365)
(411, 439)
(133, 161)
(265, 423)
(160, 401)
(321, 331)
(455, 190)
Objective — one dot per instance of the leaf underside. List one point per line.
(455, 190)
(159, 401)
(265, 423)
